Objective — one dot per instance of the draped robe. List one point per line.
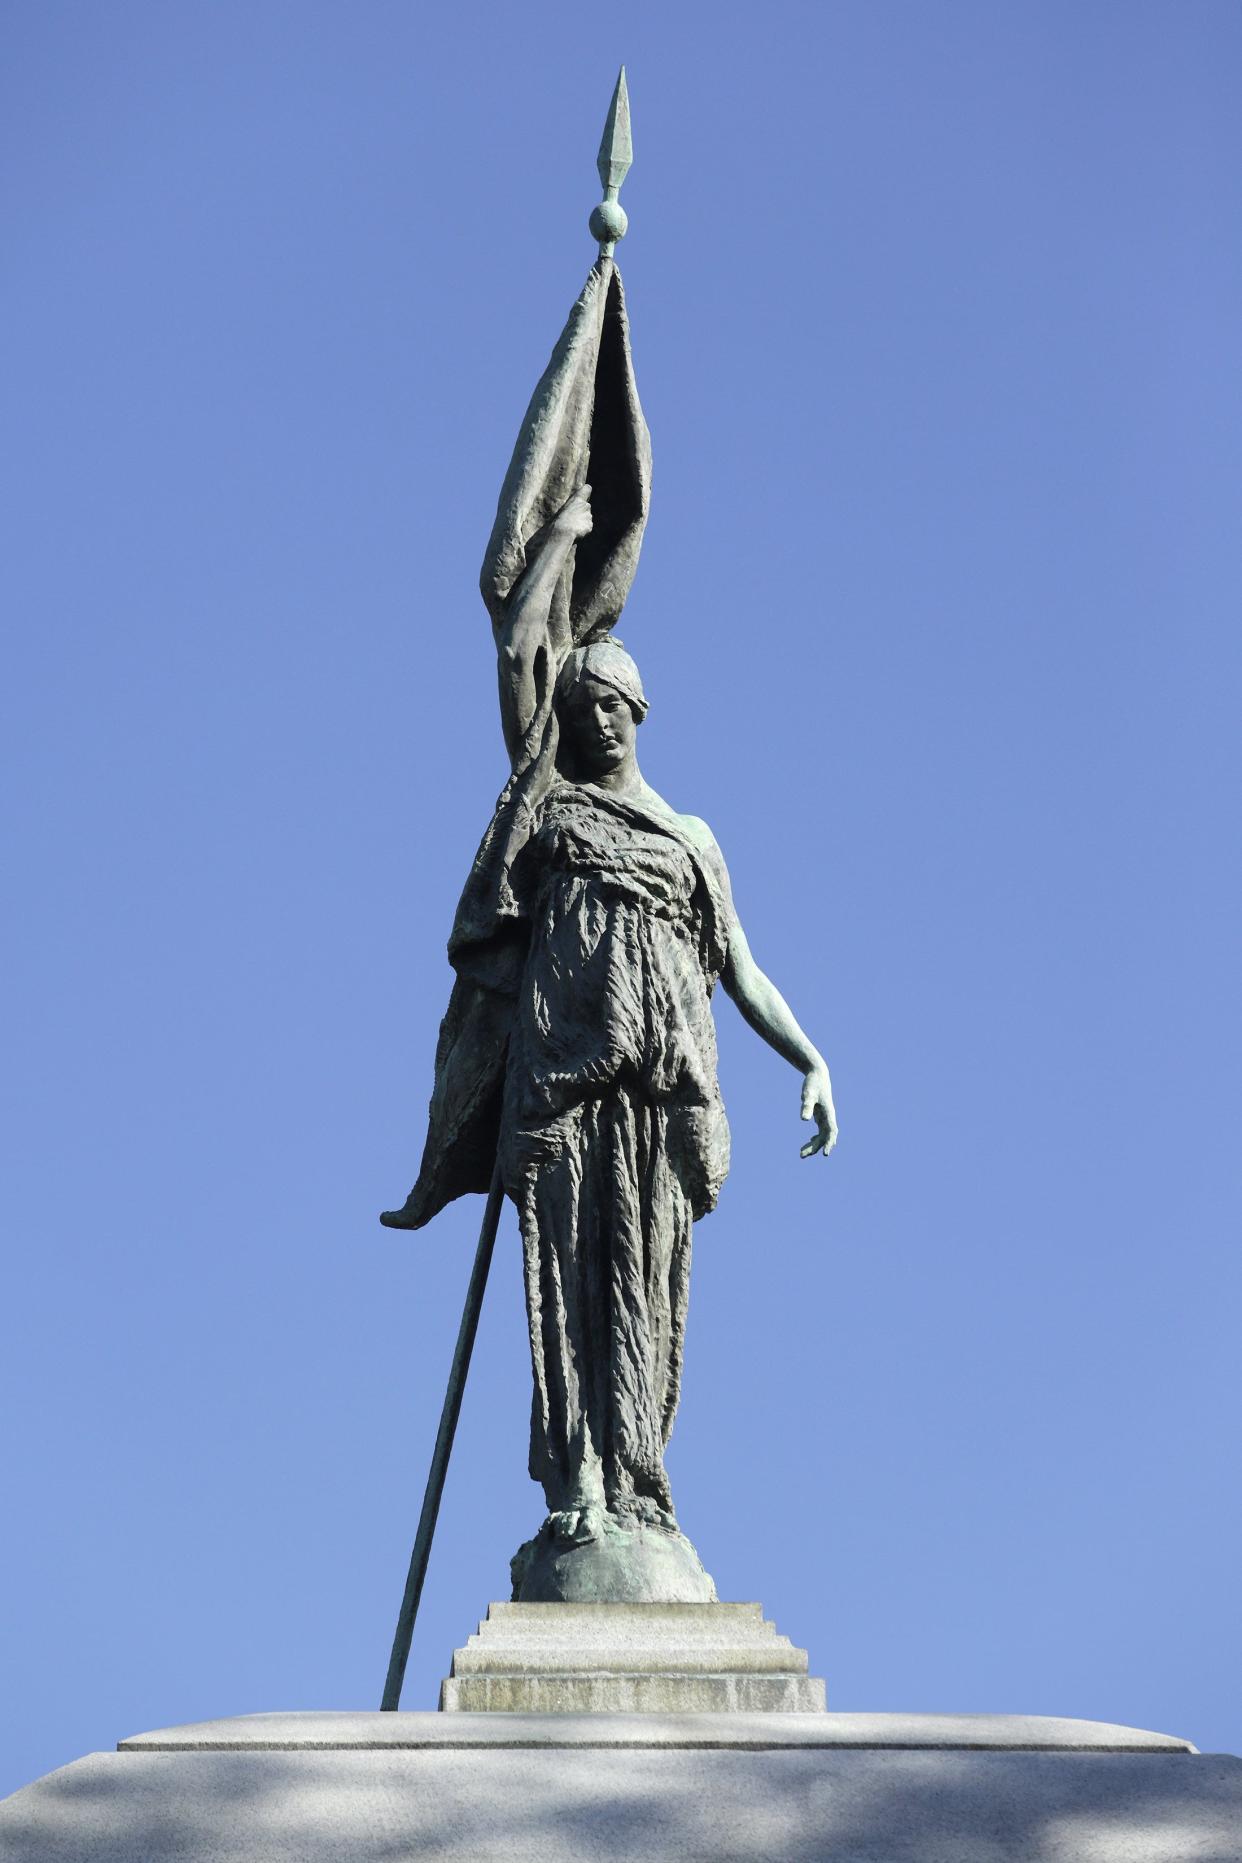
(613, 1134)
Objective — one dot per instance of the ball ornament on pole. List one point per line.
(609, 220)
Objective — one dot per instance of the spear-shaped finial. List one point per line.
(616, 152)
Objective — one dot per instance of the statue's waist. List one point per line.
(577, 890)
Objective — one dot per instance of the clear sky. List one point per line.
(936, 312)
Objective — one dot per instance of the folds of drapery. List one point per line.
(584, 425)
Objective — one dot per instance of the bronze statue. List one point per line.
(577, 1064)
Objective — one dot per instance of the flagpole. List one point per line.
(444, 1447)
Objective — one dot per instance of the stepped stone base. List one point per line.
(630, 1659)
(746, 1788)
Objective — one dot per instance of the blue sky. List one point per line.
(935, 318)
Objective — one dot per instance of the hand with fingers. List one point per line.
(574, 517)
(817, 1105)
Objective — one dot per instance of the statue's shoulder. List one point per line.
(693, 827)
(697, 830)
(701, 837)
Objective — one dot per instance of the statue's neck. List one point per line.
(625, 780)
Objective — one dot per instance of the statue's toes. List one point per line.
(591, 1524)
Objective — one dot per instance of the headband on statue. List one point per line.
(607, 661)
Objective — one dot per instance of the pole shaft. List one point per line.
(444, 1447)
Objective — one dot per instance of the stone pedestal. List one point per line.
(631, 1659)
(733, 1788)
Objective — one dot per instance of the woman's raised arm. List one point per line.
(524, 666)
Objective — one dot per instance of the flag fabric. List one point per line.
(584, 426)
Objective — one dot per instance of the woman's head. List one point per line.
(600, 703)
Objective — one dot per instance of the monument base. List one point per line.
(518, 1788)
(630, 1659)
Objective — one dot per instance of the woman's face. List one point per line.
(600, 725)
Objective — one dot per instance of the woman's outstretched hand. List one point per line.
(817, 1105)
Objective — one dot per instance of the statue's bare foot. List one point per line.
(592, 1523)
(640, 1510)
(574, 1526)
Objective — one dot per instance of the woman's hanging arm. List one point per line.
(763, 1006)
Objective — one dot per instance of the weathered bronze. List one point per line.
(578, 1054)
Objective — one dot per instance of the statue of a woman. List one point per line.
(580, 1046)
